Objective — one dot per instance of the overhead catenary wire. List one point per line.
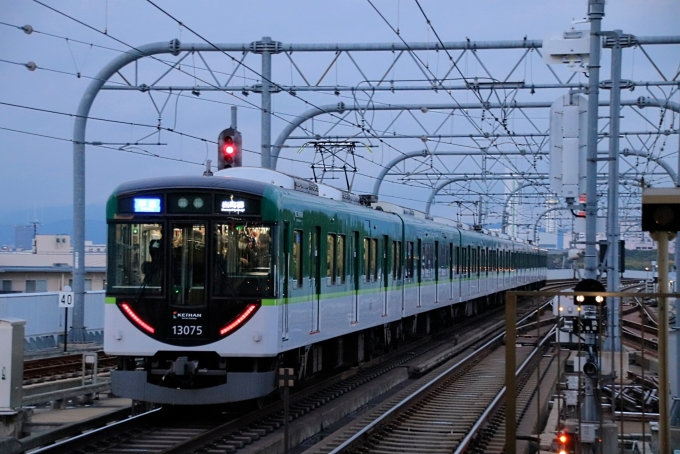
(253, 106)
(436, 79)
(127, 123)
(94, 144)
(275, 84)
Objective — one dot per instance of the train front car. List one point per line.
(190, 307)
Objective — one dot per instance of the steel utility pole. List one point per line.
(613, 340)
(595, 15)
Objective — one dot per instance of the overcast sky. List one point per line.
(36, 172)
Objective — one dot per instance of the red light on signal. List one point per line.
(228, 149)
(563, 438)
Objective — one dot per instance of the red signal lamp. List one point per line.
(229, 149)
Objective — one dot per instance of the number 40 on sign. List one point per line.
(66, 299)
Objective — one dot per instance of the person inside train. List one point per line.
(245, 250)
(153, 269)
(262, 251)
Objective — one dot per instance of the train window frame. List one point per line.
(436, 261)
(408, 272)
(331, 240)
(396, 260)
(419, 259)
(457, 264)
(374, 259)
(451, 264)
(298, 258)
(189, 244)
(140, 248)
(443, 268)
(247, 271)
(367, 264)
(428, 261)
(340, 257)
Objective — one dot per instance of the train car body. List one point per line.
(216, 281)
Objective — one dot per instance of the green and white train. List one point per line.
(214, 282)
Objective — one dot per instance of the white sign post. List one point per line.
(66, 301)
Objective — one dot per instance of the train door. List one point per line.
(436, 272)
(286, 279)
(451, 271)
(188, 265)
(385, 272)
(315, 275)
(484, 273)
(475, 270)
(466, 263)
(419, 262)
(356, 276)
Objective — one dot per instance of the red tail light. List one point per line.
(240, 320)
(141, 323)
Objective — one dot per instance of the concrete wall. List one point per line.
(44, 316)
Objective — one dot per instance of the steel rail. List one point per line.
(491, 409)
(356, 438)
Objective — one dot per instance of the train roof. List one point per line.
(192, 182)
(256, 180)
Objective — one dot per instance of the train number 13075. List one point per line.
(187, 330)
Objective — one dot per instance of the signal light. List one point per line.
(229, 149)
(566, 443)
(589, 285)
(661, 209)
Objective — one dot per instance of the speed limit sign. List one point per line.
(66, 299)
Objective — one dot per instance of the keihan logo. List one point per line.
(186, 315)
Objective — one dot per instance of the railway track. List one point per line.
(234, 433)
(459, 408)
(46, 369)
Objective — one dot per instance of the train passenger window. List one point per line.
(467, 255)
(136, 258)
(443, 263)
(367, 263)
(436, 260)
(428, 261)
(188, 265)
(473, 260)
(297, 257)
(396, 259)
(457, 264)
(408, 272)
(242, 260)
(418, 260)
(485, 262)
(452, 271)
(340, 260)
(374, 259)
(330, 257)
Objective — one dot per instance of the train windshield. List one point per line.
(188, 265)
(242, 260)
(136, 258)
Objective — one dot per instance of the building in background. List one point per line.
(23, 237)
(47, 266)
